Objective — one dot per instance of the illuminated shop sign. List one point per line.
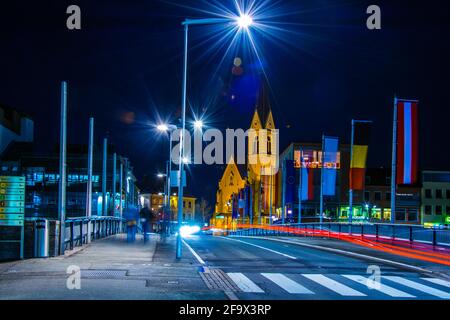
(313, 159)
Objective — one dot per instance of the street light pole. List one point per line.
(243, 22)
(180, 173)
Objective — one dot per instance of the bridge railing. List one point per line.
(377, 231)
(76, 229)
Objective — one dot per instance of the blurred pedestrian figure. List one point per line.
(146, 219)
(131, 215)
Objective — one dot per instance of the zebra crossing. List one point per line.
(343, 285)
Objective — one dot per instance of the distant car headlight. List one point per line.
(186, 231)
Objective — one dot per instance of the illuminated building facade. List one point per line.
(255, 176)
(436, 198)
(41, 171)
(336, 207)
(377, 199)
(155, 202)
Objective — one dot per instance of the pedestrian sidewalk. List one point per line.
(110, 269)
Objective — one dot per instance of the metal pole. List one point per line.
(62, 169)
(394, 164)
(300, 188)
(169, 181)
(89, 183)
(180, 178)
(260, 198)
(270, 195)
(251, 205)
(113, 198)
(321, 181)
(283, 191)
(350, 215)
(104, 176)
(121, 190)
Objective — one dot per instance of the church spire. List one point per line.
(263, 107)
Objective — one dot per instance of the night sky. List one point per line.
(324, 69)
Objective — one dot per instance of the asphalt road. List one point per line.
(265, 269)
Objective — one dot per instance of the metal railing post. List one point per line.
(71, 235)
(377, 231)
(411, 234)
(434, 238)
(81, 232)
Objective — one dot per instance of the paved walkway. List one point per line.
(110, 269)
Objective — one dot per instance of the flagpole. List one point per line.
(394, 163)
(321, 181)
(271, 186)
(350, 215)
(260, 196)
(251, 205)
(283, 179)
(300, 188)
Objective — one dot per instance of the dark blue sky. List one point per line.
(326, 69)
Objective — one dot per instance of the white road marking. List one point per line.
(333, 285)
(438, 281)
(420, 287)
(286, 283)
(194, 253)
(244, 283)
(264, 248)
(383, 288)
(343, 252)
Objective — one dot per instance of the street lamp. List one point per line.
(244, 21)
(169, 128)
(198, 124)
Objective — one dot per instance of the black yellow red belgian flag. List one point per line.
(361, 137)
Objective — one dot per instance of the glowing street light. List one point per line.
(244, 21)
(163, 127)
(198, 125)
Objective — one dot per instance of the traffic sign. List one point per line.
(12, 210)
(12, 216)
(12, 205)
(11, 197)
(13, 179)
(12, 223)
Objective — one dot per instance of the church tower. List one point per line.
(262, 158)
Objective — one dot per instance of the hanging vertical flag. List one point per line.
(289, 182)
(407, 142)
(329, 165)
(247, 198)
(307, 184)
(360, 146)
(235, 208)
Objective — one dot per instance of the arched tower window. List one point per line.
(269, 143)
(256, 145)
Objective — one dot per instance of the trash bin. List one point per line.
(41, 235)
